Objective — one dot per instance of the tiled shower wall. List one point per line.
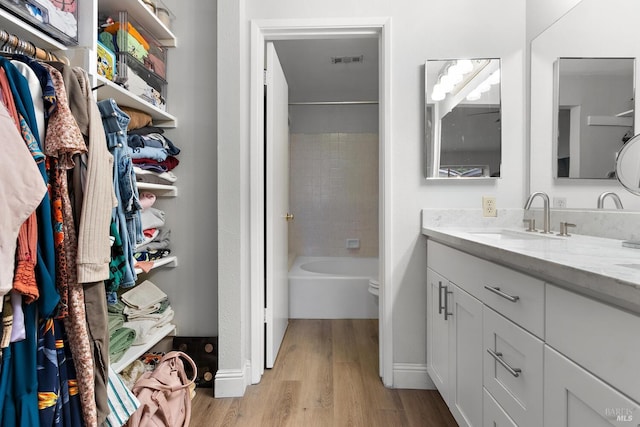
(333, 193)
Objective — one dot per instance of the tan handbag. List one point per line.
(164, 394)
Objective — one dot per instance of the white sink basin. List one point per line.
(511, 234)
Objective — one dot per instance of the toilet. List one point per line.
(374, 287)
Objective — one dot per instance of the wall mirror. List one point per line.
(593, 115)
(463, 114)
(628, 165)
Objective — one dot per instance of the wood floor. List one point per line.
(326, 374)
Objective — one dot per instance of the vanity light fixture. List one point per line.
(485, 86)
(461, 71)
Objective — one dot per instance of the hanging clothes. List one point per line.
(63, 141)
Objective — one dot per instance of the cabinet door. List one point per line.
(573, 397)
(513, 360)
(465, 350)
(437, 333)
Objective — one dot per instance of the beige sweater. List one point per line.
(99, 199)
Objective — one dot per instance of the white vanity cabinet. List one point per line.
(549, 356)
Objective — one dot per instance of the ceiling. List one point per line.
(312, 77)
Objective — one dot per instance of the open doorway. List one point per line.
(264, 31)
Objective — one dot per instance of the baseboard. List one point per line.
(232, 382)
(412, 376)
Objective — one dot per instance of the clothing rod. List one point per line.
(24, 47)
(334, 103)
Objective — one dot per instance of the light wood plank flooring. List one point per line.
(326, 374)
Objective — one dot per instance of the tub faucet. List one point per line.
(613, 195)
(547, 214)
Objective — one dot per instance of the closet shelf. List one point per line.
(14, 25)
(135, 351)
(142, 15)
(170, 261)
(108, 89)
(159, 189)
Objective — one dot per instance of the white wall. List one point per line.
(543, 13)
(420, 30)
(191, 74)
(594, 28)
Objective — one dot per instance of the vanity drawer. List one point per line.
(601, 338)
(472, 274)
(516, 296)
(493, 414)
(512, 368)
(466, 271)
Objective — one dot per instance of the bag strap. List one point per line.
(179, 354)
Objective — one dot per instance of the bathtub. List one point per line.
(332, 288)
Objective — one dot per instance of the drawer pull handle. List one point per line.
(497, 291)
(446, 303)
(498, 356)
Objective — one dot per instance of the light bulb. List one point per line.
(464, 65)
(494, 78)
(454, 76)
(474, 95)
(437, 95)
(483, 87)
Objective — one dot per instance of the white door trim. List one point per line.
(292, 29)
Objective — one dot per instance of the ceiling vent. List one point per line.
(346, 59)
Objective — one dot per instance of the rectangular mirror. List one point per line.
(593, 113)
(463, 136)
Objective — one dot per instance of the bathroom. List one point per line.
(526, 131)
(333, 176)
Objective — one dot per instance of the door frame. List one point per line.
(301, 29)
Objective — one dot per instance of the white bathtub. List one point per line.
(332, 288)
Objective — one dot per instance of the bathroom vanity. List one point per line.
(528, 329)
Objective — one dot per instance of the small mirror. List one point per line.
(462, 118)
(594, 114)
(628, 165)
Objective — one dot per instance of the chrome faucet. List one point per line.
(547, 213)
(613, 195)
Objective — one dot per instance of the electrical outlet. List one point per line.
(559, 202)
(489, 207)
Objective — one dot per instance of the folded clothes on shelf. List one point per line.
(160, 242)
(150, 177)
(143, 295)
(152, 218)
(120, 341)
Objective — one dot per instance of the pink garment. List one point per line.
(147, 199)
(21, 190)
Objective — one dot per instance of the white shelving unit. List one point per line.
(135, 351)
(13, 25)
(159, 189)
(139, 12)
(170, 261)
(108, 89)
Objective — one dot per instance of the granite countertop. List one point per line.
(594, 266)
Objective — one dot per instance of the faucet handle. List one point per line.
(531, 224)
(564, 226)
